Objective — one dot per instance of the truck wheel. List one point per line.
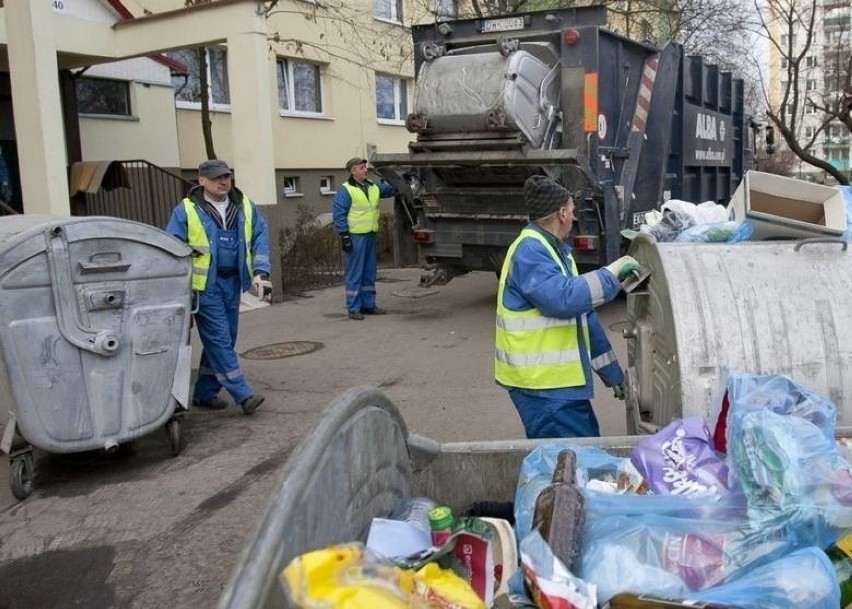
(22, 476)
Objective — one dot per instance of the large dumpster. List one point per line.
(776, 307)
(94, 330)
(357, 464)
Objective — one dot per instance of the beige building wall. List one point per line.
(150, 134)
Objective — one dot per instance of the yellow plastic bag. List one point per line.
(344, 577)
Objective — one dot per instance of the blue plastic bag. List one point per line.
(786, 457)
(804, 578)
(846, 191)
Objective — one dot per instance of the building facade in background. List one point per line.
(820, 75)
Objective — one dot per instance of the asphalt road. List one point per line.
(141, 529)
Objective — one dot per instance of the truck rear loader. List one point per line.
(623, 124)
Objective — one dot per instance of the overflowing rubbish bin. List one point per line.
(765, 307)
(94, 336)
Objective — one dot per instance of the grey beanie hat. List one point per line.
(544, 196)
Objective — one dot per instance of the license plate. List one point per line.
(507, 24)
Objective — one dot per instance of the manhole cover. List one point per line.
(282, 350)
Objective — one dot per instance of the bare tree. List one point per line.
(807, 108)
(204, 85)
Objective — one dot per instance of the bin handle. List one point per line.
(812, 240)
(68, 317)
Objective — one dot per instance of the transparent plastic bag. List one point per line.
(675, 556)
(804, 578)
(672, 224)
(786, 457)
(717, 232)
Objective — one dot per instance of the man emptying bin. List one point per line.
(548, 337)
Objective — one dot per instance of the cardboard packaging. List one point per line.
(786, 208)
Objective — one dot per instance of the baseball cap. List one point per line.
(213, 168)
(543, 196)
(354, 161)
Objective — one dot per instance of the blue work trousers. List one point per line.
(217, 320)
(360, 277)
(547, 417)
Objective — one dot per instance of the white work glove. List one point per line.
(261, 288)
(623, 267)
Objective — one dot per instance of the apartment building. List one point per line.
(820, 73)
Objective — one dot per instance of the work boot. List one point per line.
(355, 315)
(214, 403)
(250, 404)
(373, 311)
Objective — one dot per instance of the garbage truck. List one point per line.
(624, 125)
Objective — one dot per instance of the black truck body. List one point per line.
(624, 125)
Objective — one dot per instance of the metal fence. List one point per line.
(139, 191)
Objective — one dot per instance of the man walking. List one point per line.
(356, 219)
(231, 242)
(548, 338)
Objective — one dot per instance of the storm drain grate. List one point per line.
(282, 350)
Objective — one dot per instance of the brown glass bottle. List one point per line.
(627, 600)
(558, 513)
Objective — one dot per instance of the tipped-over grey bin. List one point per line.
(94, 328)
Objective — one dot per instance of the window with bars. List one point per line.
(299, 87)
(391, 98)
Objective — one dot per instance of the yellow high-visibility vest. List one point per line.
(533, 351)
(363, 216)
(197, 240)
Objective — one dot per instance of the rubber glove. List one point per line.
(346, 242)
(623, 267)
(261, 287)
(619, 392)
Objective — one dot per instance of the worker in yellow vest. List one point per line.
(231, 242)
(548, 337)
(355, 211)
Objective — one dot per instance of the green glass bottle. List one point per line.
(840, 555)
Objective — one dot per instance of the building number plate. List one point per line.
(507, 24)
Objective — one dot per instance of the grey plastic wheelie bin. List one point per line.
(94, 336)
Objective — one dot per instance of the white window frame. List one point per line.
(214, 106)
(288, 64)
(292, 187)
(811, 84)
(327, 185)
(395, 12)
(399, 84)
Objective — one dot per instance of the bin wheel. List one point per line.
(175, 437)
(22, 476)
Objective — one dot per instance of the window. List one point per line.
(291, 187)
(391, 98)
(809, 132)
(327, 185)
(299, 89)
(388, 10)
(103, 96)
(810, 62)
(784, 63)
(187, 87)
(811, 85)
(446, 9)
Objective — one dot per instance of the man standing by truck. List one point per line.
(356, 218)
(548, 337)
